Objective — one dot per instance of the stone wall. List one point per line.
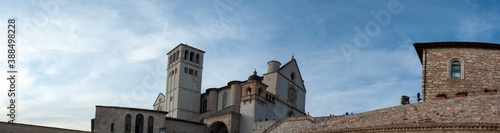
(473, 113)
(105, 116)
(230, 119)
(481, 71)
(26, 128)
(288, 124)
(173, 125)
(259, 127)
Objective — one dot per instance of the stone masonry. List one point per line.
(470, 114)
(480, 68)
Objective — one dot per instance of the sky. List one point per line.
(354, 55)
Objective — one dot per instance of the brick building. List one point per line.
(452, 67)
(448, 68)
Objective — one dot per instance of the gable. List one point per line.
(160, 99)
(291, 72)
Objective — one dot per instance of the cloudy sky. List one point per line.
(354, 56)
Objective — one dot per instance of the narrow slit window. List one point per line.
(224, 99)
(455, 69)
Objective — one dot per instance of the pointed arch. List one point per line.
(186, 52)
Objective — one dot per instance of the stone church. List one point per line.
(237, 106)
(275, 101)
(244, 106)
(460, 81)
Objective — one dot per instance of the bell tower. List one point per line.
(183, 89)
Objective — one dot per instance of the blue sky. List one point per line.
(75, 55)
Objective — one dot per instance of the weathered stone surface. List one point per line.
(26, 128)
(480, 70)
(230, 119)
(470, 114)
(107, 115)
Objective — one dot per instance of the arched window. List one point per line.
(177, 55)
(204, 106)
(128, 120)
(224, 99)
(197, 58)
(191, 56)
(248, 92)
(292, 76)
(186, 55)
(170, 59)
(139, 123)
(150, 124)
(455, 69)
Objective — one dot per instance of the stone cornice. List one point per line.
(419, 47)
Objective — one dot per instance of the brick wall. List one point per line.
(481, 70)
(473, 113)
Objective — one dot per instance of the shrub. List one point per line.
(441, 95)
(488, 90)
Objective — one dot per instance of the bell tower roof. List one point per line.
(254, 76)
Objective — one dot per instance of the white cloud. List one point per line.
(100, 53)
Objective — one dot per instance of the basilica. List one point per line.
(242, 105)
(275, 94)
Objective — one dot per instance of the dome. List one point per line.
(254, 76)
